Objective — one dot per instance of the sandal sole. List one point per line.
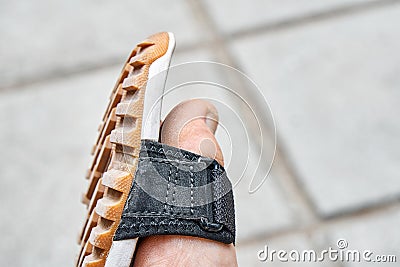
(117, 147)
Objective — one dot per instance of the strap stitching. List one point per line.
(175, 183)
(168, 185)
(191, 190)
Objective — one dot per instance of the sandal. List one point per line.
(139, 187)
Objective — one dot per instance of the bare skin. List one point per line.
(191, 126)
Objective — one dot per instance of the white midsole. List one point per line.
(122, 251)
(154, 91)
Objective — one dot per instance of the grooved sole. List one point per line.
(115, 153)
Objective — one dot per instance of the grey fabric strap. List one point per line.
(177, 192)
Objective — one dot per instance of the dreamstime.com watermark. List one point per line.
(339, 254)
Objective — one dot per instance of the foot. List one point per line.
(191, 126)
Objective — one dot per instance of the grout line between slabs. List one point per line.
(260, 29)
(314, 17)
(60, 74)
(359, 215)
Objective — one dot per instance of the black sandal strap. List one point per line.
(177, 192)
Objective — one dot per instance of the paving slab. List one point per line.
(45, 38)
(242, 15)
(360, 233)
(378, 233)
(46, 136)
(263, 212)
(333, 88)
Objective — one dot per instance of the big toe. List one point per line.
(191, 126)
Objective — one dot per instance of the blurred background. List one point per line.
(329, 70)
